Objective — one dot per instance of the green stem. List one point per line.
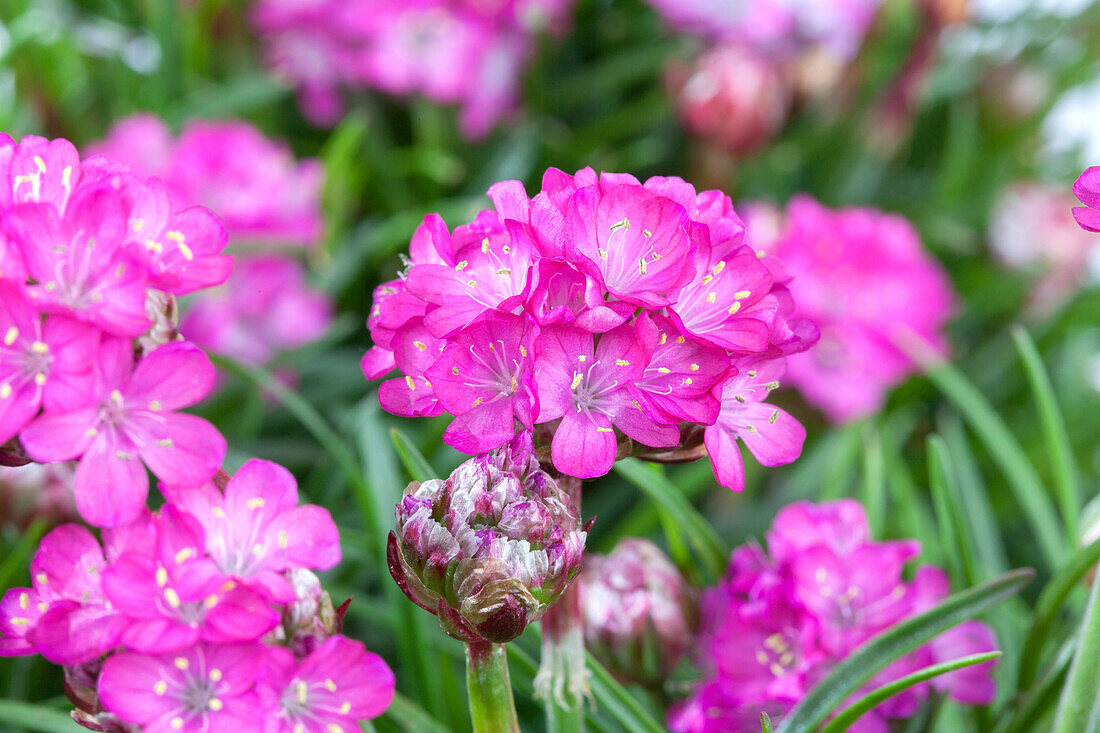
(491, 706)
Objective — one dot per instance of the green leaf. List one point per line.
(619, 702)
(31, 717)
(765, 723)
(414, 461)
(683, 518)
(412, 717)
(1049, 604)
(894, 643)
(1066, 485)
(19, 554)
(1023, 715)
(1079, 706)
(952, 523)
(1006, 452)
(852, 713)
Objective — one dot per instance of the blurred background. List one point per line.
(969, 119)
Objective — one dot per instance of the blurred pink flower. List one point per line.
(266, 307)
(466, 52)
(1031, 226)
(731, 96)
(32, 492)
(781, 620)
(864, 278)
(254, 184)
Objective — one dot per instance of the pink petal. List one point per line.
(57, 437)
(583, 445)
(175, 375)
(180, 449)
(127, 687)
(481, 429)
(778, 437)
(110, 485)
(312, 540)
(725, 457)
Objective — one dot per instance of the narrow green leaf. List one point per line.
(684, 518)
(1023, 715)
(765, 723)
(1049, 604)
(1006, 452)
(874, 478)
(414, 461)
(1066, 485)
(848, 676)
(1079, 706)
(619, 702)
(853, 712)
(31, 717)
(953, 526)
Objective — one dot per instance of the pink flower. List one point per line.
(176, 596)
(637, 299)
(1087, 189)
(78, 260)
(864, 278)
(130, 420)
(40, 363)
(484, 377)
(37, 170)
(781, 620)
(205, 688)
(585, 385)
(337, 685)
(266, 307)
(254, 185)
(771, 434)
(256, 531)
(731, 96)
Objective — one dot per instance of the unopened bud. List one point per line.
(488, 549)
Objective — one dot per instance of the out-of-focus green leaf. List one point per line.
(414, 461)
(853, 712)
(1066, 485)
(954, 532)
(22, 550)
(1079, 705)
(35, 717)
(894, 643)
(1050, 603)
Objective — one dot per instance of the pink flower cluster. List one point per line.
(864, 278)
(90, 254)
(466, 52)
(207, 613)
(258, 189)
(776, 27)
(605, 311)
(266, 198)
(780, 620)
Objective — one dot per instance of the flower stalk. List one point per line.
(492, 708)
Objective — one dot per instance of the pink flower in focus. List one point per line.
(254, 185)
(78, 260)
(130, 422)
(337, 685)
(256, 531)
(781, 620)
(623, 307)
(266, 307)
(176, 596)
(1087, 189)
(863, 277)
(585, 386)
(205, 688)
(772, 435)
(40, 363)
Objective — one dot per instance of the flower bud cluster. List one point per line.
(489, 548)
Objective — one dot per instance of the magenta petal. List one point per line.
(57, 437)
(176, 375)
(71, 634)
(583, 445)
(265, 480)
(377, 363)
(110, 485)
(725, 457)
(481, 429)
(241, 615)
(180, 449)
(127, 687)
(777, 437)
(312, 538)
(1088, 218)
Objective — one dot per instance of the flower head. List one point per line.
(489, 548)
(781, 620)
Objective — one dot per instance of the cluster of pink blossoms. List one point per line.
(267, 200)
(92, 257)
(202, 616)
(466, 52)
(866, 281)
(776, 27)
(605, 311)
(781, 620)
